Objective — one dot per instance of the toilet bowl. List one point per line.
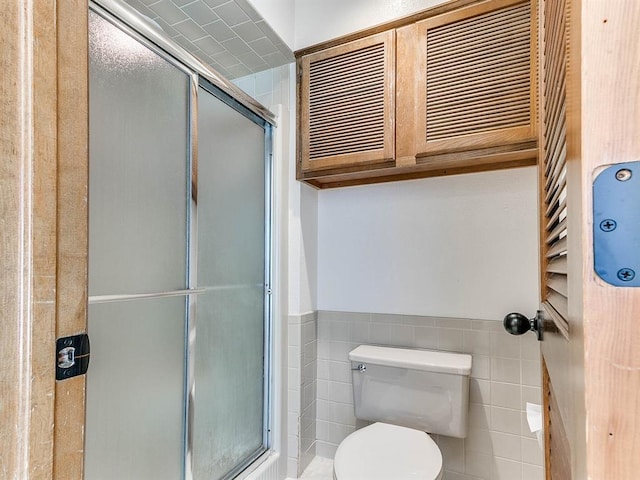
(406, 392)
(387, 452)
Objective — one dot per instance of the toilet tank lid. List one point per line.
(427, 360)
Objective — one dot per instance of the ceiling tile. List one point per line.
(248, 31)
(221, 70)
(229, 35)
(270, 34)
(190, 30)
(200, 13)
(226, 59)
(142, 8)
(263, 46)
(253, 60)
(168, 29)
(232, 14)
(168, 11)
(219, 31)
(239, 71)
(215, 3)
(184, 43)
(209, 46)
(276, 59)
(249, 10)
(236, 46)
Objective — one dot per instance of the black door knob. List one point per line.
(518, 324)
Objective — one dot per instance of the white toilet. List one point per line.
(407, 392)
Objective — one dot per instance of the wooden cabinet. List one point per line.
(466, 81)
(348, 109)
(451, 90)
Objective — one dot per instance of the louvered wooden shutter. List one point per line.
(347, 104)
(475, 87)
(478, 74)
(553, 165)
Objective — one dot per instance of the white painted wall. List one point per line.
(303, 247)
(301, 23)
(461, 246)
(303, 240)
(318, 21)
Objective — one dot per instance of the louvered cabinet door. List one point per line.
(346, 107)
(467, 83)
(553, 164)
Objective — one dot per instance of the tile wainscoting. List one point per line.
(505, 375)
(302, 392)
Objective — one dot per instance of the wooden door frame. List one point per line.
(43, 199)
(596, 373)
(604, 45)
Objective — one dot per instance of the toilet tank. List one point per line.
(422, 389)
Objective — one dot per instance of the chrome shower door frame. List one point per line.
(132, 23)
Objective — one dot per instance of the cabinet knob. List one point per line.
(517, 324)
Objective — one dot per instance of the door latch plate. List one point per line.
(616, 225)
(72, 356)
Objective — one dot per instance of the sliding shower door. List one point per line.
(138, 186)
(229, 426)
(179, 218)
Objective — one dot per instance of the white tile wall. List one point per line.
(229, 35)
(505, 375)
(270, 87)
(302, 392)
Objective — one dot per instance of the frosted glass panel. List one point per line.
(231, 176)
(138, 166)
(229, 351)
(228, 413)
(135, 390)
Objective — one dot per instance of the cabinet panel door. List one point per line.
(465, 81)
(347, 108)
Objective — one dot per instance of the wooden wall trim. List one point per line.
(15, 288)
(72, 229)
(43, 192)
(39, 117)
(401, 22)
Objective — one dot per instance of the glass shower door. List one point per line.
(229, 428)
(178, 269)
(138, 188)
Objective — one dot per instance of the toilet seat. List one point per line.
(387, 452)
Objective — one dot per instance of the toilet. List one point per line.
(407, 393)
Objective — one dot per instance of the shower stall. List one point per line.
(179, 261)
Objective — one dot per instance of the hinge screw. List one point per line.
(623, 174)
(626, 274)
(608, 225)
